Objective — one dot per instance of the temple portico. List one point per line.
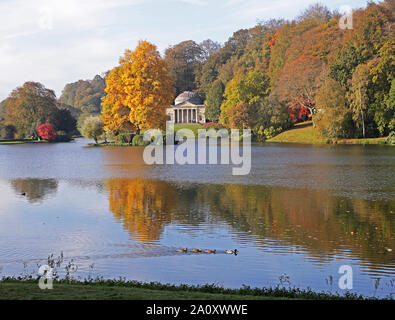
(188, 108)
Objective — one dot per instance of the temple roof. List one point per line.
(189, 96)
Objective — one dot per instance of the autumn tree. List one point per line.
(138, 91)
(299, 82)
(84, 95)
(29, 106)
(242, 93)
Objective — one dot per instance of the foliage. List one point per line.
(7, 132)
(333, 116)
(299, 82)
(138, 140)
(92, 128)
(241, 95)
(214, 100)
(47, 132)
(138, 91)
(84, 95)
(184, 62)
(391, 138)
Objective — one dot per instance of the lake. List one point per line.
(301, 213)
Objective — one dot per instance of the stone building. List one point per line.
(188, 108)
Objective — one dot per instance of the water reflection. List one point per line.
(35, 190)
(319, 222)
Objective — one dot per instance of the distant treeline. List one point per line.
(275, 74)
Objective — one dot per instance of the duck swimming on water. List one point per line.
(210, 251)
(235, 251)
(182, 250)
(196, 250)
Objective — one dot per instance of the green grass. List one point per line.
(304, 133)
(300, 134)
(31, 291)
(99, 289)
(193, 127)
(7, 142)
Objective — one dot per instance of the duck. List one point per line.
(182, 250)
(235, 251)
(23, 194)
(196, 250)
(211, 251)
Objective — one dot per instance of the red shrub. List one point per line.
(47, 132)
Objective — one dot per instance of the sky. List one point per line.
(60, 41)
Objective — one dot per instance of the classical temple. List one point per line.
(188, 108)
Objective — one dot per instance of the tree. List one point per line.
(92, 128)
(317, 12)
(209, 47)
(358, 96)
(84, 95)
(138, 91)
(47, 132)
(184, 62)
(243, 92)
(299, 82)
(62, 120)
(30, 106)
(214, 100)
(7, 132)
(333, 116)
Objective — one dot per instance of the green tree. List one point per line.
(333, 115)
(358, 96)
(214, 100)
(184, 62)
(92, 128)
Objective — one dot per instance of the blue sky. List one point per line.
(60, 41)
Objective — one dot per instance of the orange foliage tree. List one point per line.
(138, 91)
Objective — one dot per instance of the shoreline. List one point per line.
(99, 289)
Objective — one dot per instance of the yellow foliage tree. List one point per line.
(138, 91)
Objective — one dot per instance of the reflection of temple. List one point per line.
(188, 108)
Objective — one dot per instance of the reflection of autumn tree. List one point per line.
(143, 206)
(35, 189)
(312, 219)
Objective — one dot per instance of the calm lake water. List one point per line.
(303, 212)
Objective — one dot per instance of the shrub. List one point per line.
(47, 132)
(125, 138)
(211, 125)
(391, 138)
(138, 140)
(8, 132)
(63, 137)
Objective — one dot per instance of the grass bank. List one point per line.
(6, 142)
(304, 133)
(11, 289)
